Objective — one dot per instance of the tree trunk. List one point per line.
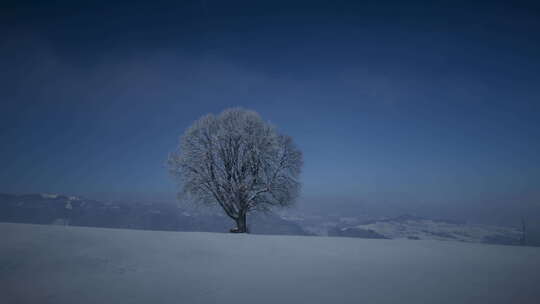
(241, 226)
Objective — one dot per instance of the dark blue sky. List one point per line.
(425, 103)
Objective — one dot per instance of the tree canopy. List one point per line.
(238, 161)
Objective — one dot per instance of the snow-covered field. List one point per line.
(54, 264)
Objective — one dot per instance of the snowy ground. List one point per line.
(52, 264)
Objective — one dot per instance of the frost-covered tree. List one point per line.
(239, 162)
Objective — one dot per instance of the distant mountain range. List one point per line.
(56, 209)
(409, 227)
(416, 228)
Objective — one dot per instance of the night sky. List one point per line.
(433, 104)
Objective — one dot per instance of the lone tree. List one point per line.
(238, 161)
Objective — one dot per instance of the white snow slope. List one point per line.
(54, 264)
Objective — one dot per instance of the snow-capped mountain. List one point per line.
(420, 228)
(414, 228)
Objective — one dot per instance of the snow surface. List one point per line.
(53, 264)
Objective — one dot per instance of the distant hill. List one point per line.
(417, 228)
(409, 227)
(56, 209)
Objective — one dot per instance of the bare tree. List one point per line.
(238, 161)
